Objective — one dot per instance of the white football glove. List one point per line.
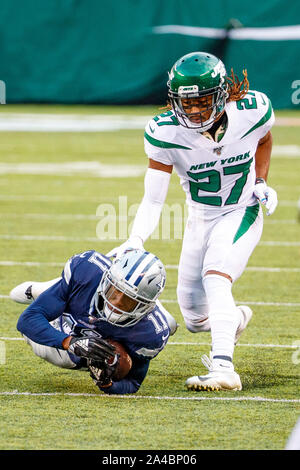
(267, 196)
(132, 243)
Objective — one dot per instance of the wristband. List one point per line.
(106, 386)
(259, 180)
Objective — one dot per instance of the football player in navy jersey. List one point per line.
(70, 318)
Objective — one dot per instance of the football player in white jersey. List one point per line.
(216, 135)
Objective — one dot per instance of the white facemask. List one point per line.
(114, 317)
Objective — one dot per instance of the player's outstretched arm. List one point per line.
(266, 195)
(156, 185)
(34, 322)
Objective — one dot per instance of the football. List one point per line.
(125, 361)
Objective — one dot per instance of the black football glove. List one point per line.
(102, 373)
(92, 347)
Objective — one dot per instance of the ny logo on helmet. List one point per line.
(219, 69)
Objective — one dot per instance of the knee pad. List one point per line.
(196, 325)
(193, 305)
(192, 298)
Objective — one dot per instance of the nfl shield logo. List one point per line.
(218, 150)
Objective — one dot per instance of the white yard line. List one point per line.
(247, 345)
(57, 238)
(191, 343)
(150, 397)
(167, 266)
(91, 168)
(249, 302)
(39, 215)
(96, 169)
(99, 199)
(239, 302)
(244, 302)
(95, 239)
(51, 216)
(44, 198)
(66, 122)
(30, 263)
(278, 243)
(249, 268)
(10, 338)
(43, 122)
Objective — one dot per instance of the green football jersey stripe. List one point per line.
(164, 145)
(249, 218)
(262, 121)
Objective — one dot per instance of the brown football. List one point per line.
(125, 361)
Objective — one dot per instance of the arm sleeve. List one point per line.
(132, 382)
(34, 321)
(147, 217)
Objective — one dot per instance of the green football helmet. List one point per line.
(198, 75)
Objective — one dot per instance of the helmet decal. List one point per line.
(219, 69)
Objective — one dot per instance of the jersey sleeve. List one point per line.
(34, 322)
(260, 113)
(156, 143)
(152, 339)
(268, 118)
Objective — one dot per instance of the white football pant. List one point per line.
(223, 244)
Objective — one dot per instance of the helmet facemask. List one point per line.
(137, 307)
(212, 100)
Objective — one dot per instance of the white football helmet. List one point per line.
(139, 275)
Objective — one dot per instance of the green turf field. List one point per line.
(46, 218)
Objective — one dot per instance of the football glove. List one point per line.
(130, 244)
(92, 347)
(102, 373)
(267, 196)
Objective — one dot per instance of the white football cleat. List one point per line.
(22, 293)
(217, 379)
(246, 317)
(28, 291)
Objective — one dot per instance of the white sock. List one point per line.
(224, 318)
(39, 287)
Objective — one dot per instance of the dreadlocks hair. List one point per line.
(167, 107)
(237, 89)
